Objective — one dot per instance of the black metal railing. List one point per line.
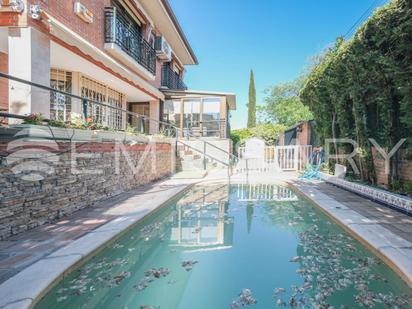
(118, 30)
(206, 128)
(86, 108)
(171, 80)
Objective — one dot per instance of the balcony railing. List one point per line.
(119, 31)
(171, 80)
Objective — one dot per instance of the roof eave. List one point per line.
(180, 30)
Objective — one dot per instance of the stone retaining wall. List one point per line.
(75, 176)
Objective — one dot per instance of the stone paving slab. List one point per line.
(384, 230)
(397, 222)
(32, 261)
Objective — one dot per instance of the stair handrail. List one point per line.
(203, 153)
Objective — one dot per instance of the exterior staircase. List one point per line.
(190, 159)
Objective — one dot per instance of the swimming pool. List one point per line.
(222, 246)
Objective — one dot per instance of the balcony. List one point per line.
(119, 33)
(171, 80)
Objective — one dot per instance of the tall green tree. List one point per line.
(283, 105)
(251, 121)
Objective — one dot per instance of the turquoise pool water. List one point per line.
(233, 247)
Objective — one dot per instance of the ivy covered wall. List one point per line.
(362, 88)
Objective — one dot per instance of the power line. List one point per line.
(361, 19)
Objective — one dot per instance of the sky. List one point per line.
(275, 38)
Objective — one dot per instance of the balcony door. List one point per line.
(211, 117)
(191, 118)
(140, 124)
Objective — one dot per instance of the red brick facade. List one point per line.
(13, 19)
(62, 10)
(405, 169)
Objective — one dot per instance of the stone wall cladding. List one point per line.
(28, 204)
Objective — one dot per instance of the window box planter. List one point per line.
(36, 132)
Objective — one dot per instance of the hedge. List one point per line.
(362, 88)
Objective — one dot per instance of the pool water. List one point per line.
(233, 247)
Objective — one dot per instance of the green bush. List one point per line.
(361, 88)
(407, 186)
(57, 123)
(35, 119)
(267, 132)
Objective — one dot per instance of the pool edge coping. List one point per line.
(392, 259)
(64, 264)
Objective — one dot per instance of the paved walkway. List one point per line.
(21, 251)
(395, 221)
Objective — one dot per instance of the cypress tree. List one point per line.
(251, 121)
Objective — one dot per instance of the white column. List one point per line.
(29, 59)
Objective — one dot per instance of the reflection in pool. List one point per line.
(228, 247)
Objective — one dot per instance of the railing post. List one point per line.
(142, 128)
(296, 157)
(84, 102)
(204, 155)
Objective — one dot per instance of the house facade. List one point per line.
(130, 54)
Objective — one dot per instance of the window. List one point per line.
(100, 92)
(60, 104)
(211, 117)
(95, 91)
(191, 113)
(115, 117)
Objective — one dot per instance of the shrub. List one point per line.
(57, 123)
(34, 119)
(267, 132)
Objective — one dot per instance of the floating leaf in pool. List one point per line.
(188, 265)
(149, 231)
(120, 277)
(280, 303)
(278, 291)
(306, 286)
(295, 259)
(61, 298)
(245, 298)
(301, 271)
(117, 246)
(150, 275)
(366, 299)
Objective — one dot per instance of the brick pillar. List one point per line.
(303, 137)
(154, 114)
(29, 59)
